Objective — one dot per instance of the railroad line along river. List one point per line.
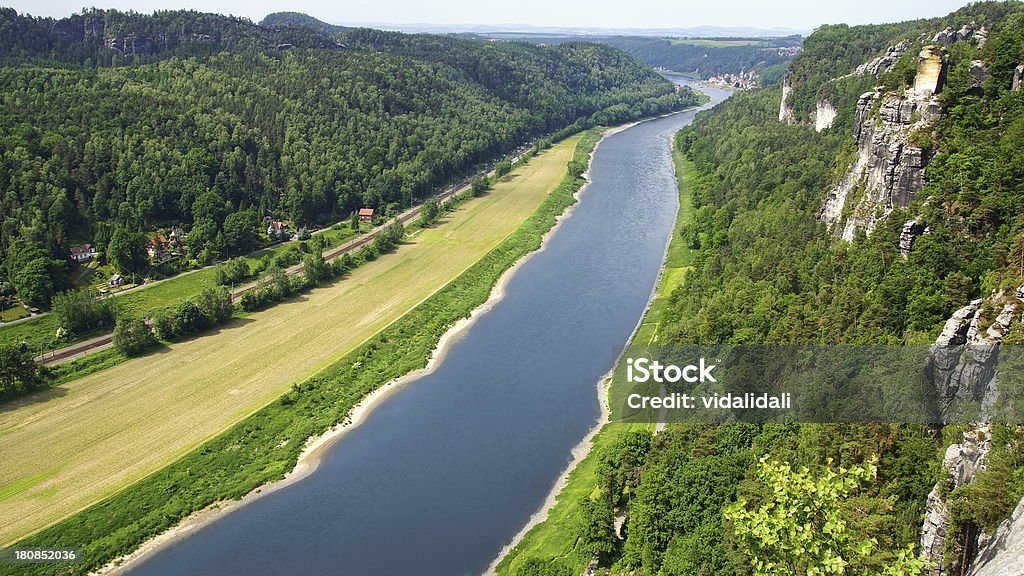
(443, 473)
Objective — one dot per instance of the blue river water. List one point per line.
(444, 473)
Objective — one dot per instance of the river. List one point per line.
(443, 473)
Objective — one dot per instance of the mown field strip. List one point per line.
(66, 448)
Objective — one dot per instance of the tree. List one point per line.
(800, 528)
(82, 310)
(18, 371)
(127, 251)
(214, 303)
(353, 222)
(132, 336)
(35, 280)
(429, 213)
(597, 527)
(502, 168)
(241, 231)
(482, 184)
(315, 269)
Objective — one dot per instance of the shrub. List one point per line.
(132, 336)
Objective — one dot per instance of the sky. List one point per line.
(795, 14)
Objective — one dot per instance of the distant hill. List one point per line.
(280, 19)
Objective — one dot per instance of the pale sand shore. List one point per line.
(316, 447)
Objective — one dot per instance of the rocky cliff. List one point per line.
(964, 371)
(889, 169)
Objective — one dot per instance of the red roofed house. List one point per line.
(366, 214)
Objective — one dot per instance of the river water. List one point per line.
(444, 473)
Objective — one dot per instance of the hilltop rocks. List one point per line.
(132, 44)
(885, 62)
(965, 33)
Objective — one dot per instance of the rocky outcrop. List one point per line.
(1000, 554)
(962, 461)
(967, 32)
(888, 171)
(785, 110)
(132, 44)
(1018, 74)
(964, 372)
(884, 62)
(824, 115)
(931, 71)
(911, 230)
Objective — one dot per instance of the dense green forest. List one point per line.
(720, 500)
(117, 124)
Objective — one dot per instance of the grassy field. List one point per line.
(556, 536)
(712, 43)
(146, 301)
(73, 445)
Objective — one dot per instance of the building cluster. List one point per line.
(163, 247)
(742, 81)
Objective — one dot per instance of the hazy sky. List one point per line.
(798, 14)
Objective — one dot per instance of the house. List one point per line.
(82, 252)
(156, 247)
(116, 280)
(277, 228)
(366, 214)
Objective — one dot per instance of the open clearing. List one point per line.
(70, 446)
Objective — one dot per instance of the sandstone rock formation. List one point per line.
(785, 110)
(888, 171)
(1000, 554)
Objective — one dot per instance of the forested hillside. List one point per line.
(838, 498)
(711, 58)
(117, 124)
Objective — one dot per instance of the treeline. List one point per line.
(702, 59)
(104, 152)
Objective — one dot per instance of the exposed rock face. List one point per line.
(911, 230)
(1018, 74)
(888, 171)
(931, 71)
(972, 377)
(132, 44)
(885, 62)
(785, 110)
(963, 462)
(1001, 553)
(966, 33)
(825, 115)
